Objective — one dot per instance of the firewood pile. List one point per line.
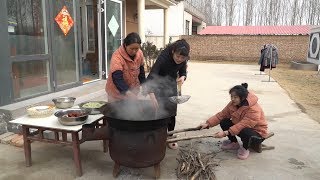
(193, 164)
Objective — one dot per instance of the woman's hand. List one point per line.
(131, 95)
(154, 101)
(221, 134)
(204, 126)
(181, 79)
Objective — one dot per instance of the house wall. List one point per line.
(131, 20)
(154, 21)
(246, 48)
(176, 19)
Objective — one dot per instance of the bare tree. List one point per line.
(208, 11)
(295, 12)
(229, 6)
(248, 12)
(219, 14)
(266, 12)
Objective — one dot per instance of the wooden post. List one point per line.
(104, 142)
(56, 135)
(26, 145)
(157, 171)
(64, 136)
(76, 152)
(116, 169)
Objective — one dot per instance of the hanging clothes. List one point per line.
(269, 57)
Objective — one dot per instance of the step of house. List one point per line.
(3, 127)
(90, 91)
(7, 134)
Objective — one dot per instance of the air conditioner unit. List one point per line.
(314, 46)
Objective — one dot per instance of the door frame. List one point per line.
(106, 30)
(100, 10)
(77, 35)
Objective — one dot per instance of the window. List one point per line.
(187, 27)
(91, 28)
(194, 30)
(29, 78)
(27, 27)
(28, 42)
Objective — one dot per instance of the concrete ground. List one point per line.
(296, 140)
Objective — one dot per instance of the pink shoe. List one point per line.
(228, 145)
(243, 153)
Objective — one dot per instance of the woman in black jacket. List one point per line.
(169, 68)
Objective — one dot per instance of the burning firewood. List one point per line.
(195, 165)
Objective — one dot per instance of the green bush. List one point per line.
(150, 53)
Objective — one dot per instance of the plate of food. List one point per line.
(92, 106)
(72, 117)
(40, 111)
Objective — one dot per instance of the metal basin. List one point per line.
(64, 102)
(92, 106)
(72, 117)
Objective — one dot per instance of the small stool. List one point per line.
(259, 147)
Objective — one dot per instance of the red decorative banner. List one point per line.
(64, 20)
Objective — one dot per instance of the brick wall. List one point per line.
(246, 48)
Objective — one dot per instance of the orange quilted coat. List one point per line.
(251, 116)
(120, 60)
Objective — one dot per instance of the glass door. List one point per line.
(113, 29)
(64, 44)
(89, 40)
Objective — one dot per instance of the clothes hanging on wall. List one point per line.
(269, 57)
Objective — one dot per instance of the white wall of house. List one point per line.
(176, 19)
(154, 21)
(177, 24)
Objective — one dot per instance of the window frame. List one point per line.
(187, 28)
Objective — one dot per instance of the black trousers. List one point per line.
(245, 134)
(171, 123)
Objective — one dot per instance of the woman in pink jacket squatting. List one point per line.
(242, 117)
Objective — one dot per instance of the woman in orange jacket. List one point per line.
(242, 117)
(126, 72)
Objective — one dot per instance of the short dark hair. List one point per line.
(240, 90)
(131, 39)
(181, 47)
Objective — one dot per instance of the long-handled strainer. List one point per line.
(180, 98)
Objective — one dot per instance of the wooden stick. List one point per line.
(183, 130)
(171, 137)
(188, 138)
(265, 147)
(179, 88)
(269, 135)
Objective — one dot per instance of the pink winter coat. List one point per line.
(120, 60)
(251, 116)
